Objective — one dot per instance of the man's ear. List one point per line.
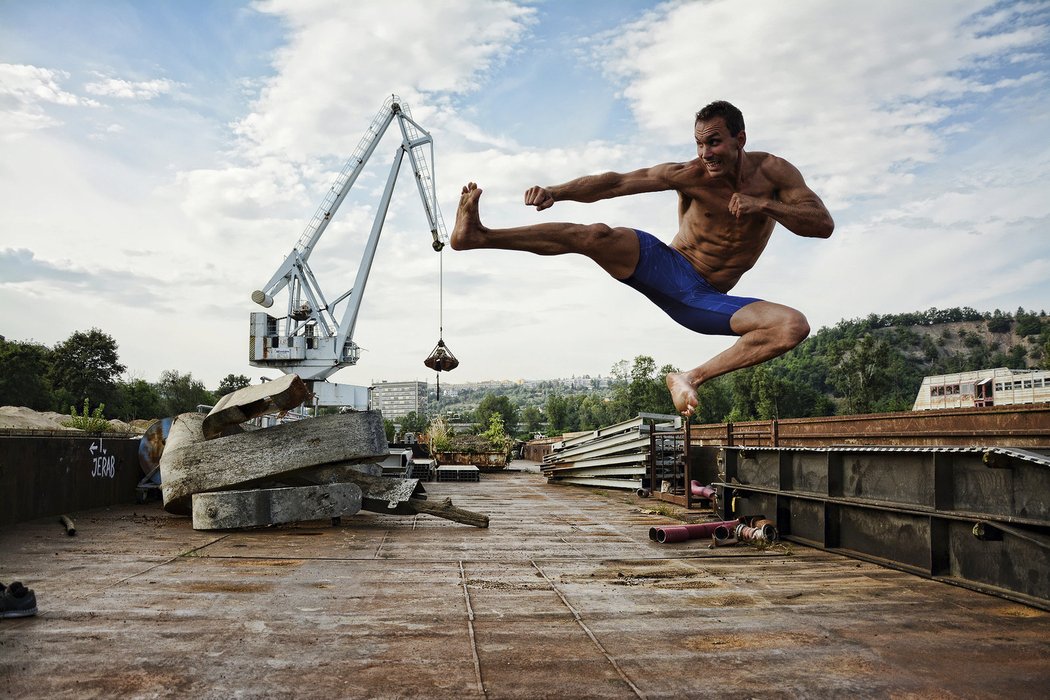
(741, 138)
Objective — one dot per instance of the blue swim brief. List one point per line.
(672, 283)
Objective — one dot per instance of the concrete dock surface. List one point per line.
(563, 596)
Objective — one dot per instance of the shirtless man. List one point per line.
(728, 203)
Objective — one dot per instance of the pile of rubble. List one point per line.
(22, 418)
(313, 469)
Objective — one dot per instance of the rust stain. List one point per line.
(261, 563)
(489, 584)
(729, 600)
(722, 642)
(225, 587)
(1020, 611)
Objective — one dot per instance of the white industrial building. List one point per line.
(398, 399)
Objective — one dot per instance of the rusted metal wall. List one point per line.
(42, 475)
(536, 450)
(481, 460)
(976, 517)
(1014, 426)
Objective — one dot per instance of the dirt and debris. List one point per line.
(22, 418)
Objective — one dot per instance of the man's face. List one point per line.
(716, 148)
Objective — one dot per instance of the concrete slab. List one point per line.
(563, 595)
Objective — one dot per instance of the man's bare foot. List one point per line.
(683, 393)
(468, 231)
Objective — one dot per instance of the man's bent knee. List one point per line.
(614, 249)
(783, 325)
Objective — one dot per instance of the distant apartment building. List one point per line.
(398, 399)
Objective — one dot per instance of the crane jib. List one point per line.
(309, 340)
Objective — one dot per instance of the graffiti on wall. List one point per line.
(104, 465)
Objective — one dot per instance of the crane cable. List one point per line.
(441, 358)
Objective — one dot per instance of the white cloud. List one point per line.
(343, 59)
(24, 92)
(130, 90)
(851, 92)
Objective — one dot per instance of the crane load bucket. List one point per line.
(441, 359)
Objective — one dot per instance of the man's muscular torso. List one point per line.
(721, 246)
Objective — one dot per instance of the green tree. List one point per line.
(413, 422)
(1028, 323)
(862, 375)
(182, 393)
(593, 412)
(139, 399)
(999, 323)
(641, 389)
(715, 401)
(559, 414)
(85, 366)
(231, 383)
(23, 375)
(493, 404)
(531, 417)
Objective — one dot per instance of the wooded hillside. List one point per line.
(867, 365)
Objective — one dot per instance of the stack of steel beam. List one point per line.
(616, 456)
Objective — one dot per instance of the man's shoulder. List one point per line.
(770, 164)
(682, 172)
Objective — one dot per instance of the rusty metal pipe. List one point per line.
(671, 533)
(681, 533)
(765, 533)
(701, 491)
(67, 523)
(723, 535)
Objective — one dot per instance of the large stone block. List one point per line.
(225, 510)
(281, 394)
(190, 464)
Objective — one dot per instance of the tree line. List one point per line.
(86, 367)
(869, 365)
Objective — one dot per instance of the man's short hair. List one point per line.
(720, 108)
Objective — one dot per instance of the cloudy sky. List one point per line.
(159, 160)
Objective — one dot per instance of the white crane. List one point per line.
(310, 341)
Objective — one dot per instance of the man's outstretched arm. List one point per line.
(591, 188)
(796, 207)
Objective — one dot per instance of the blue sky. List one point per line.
(161, 158)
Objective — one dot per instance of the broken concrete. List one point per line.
(250, 402)
(227, 510)
(390, 496)
(192, 465)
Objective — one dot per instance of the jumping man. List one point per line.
(728, 203)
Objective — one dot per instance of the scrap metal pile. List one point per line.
(228, 477)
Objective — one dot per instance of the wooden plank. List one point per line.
(446, 510)
(228, 510)
(244, 404)
(192, 465)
